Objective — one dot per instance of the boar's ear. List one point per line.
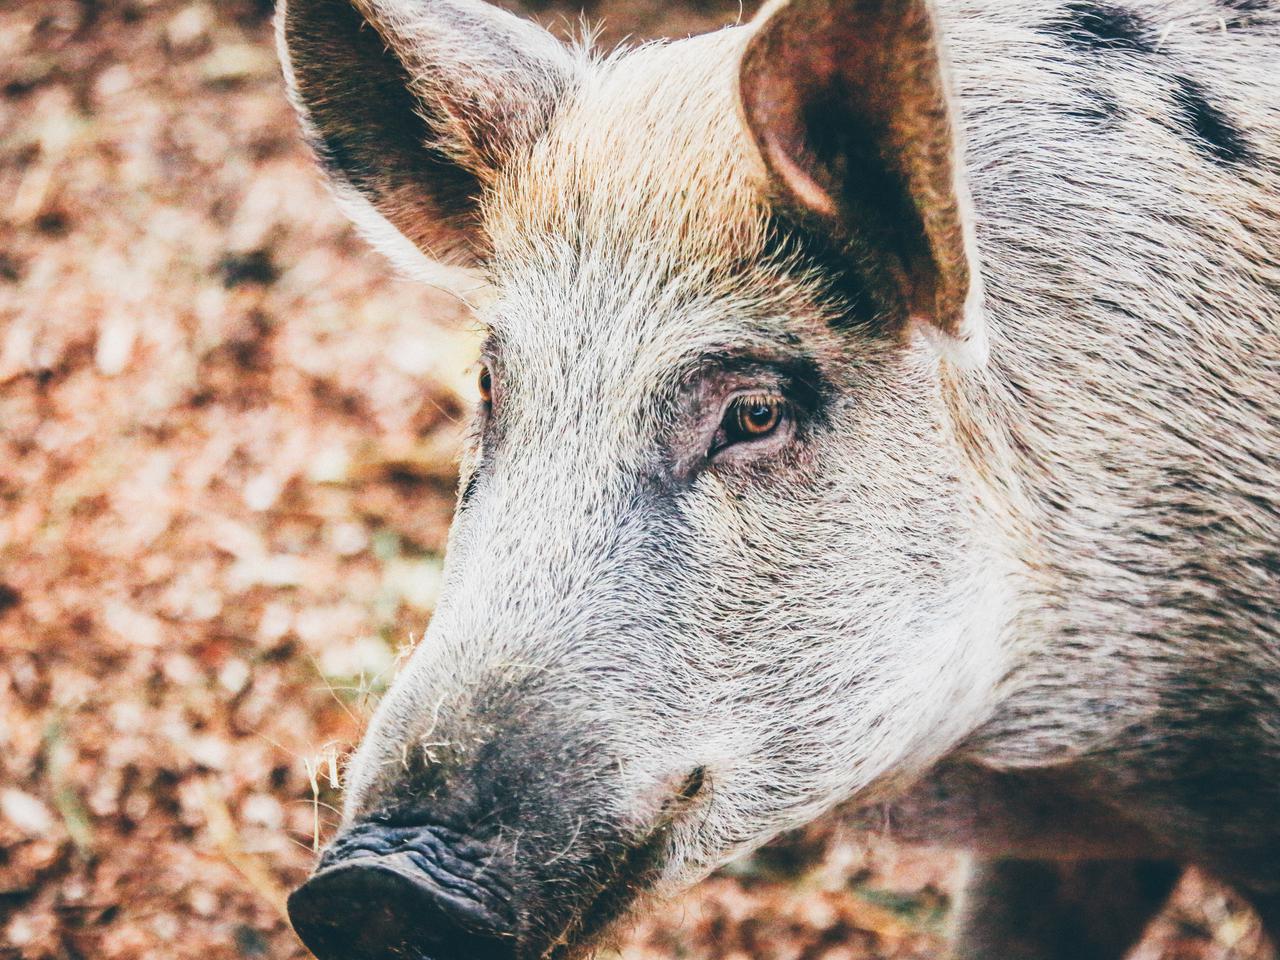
(413, 106)
(848, 103)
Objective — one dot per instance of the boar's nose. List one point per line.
(400, 892)
(371, 911)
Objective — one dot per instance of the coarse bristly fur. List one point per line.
(1009, 579)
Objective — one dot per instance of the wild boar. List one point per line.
(879, 406)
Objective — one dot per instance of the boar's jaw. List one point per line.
(628, 879)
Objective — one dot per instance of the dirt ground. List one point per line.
(227, 440)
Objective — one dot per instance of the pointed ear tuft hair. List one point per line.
(848, 102)
(413, 107)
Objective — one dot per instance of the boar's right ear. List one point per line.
(848, 102)
(413, 106)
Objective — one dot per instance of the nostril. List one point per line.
(373, 908)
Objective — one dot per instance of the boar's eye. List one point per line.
(751, 417)
(486, 385)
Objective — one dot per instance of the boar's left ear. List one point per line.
(848, 103)
(413, 107)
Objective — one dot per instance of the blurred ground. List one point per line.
(226, 470)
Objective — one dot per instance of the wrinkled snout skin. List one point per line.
(878, 414)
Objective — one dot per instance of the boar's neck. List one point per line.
(1125, 438)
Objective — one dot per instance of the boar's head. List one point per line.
(715, 567)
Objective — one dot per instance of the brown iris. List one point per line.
(486, 385)
(751, 418)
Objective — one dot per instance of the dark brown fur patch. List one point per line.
(1247, 13)
(1213, 132)
(808, 246)
(1098, 108)
(1098, 27)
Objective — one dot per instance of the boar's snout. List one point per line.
(423, 890)
(388, 891)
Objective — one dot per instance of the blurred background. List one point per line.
(227, 467)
